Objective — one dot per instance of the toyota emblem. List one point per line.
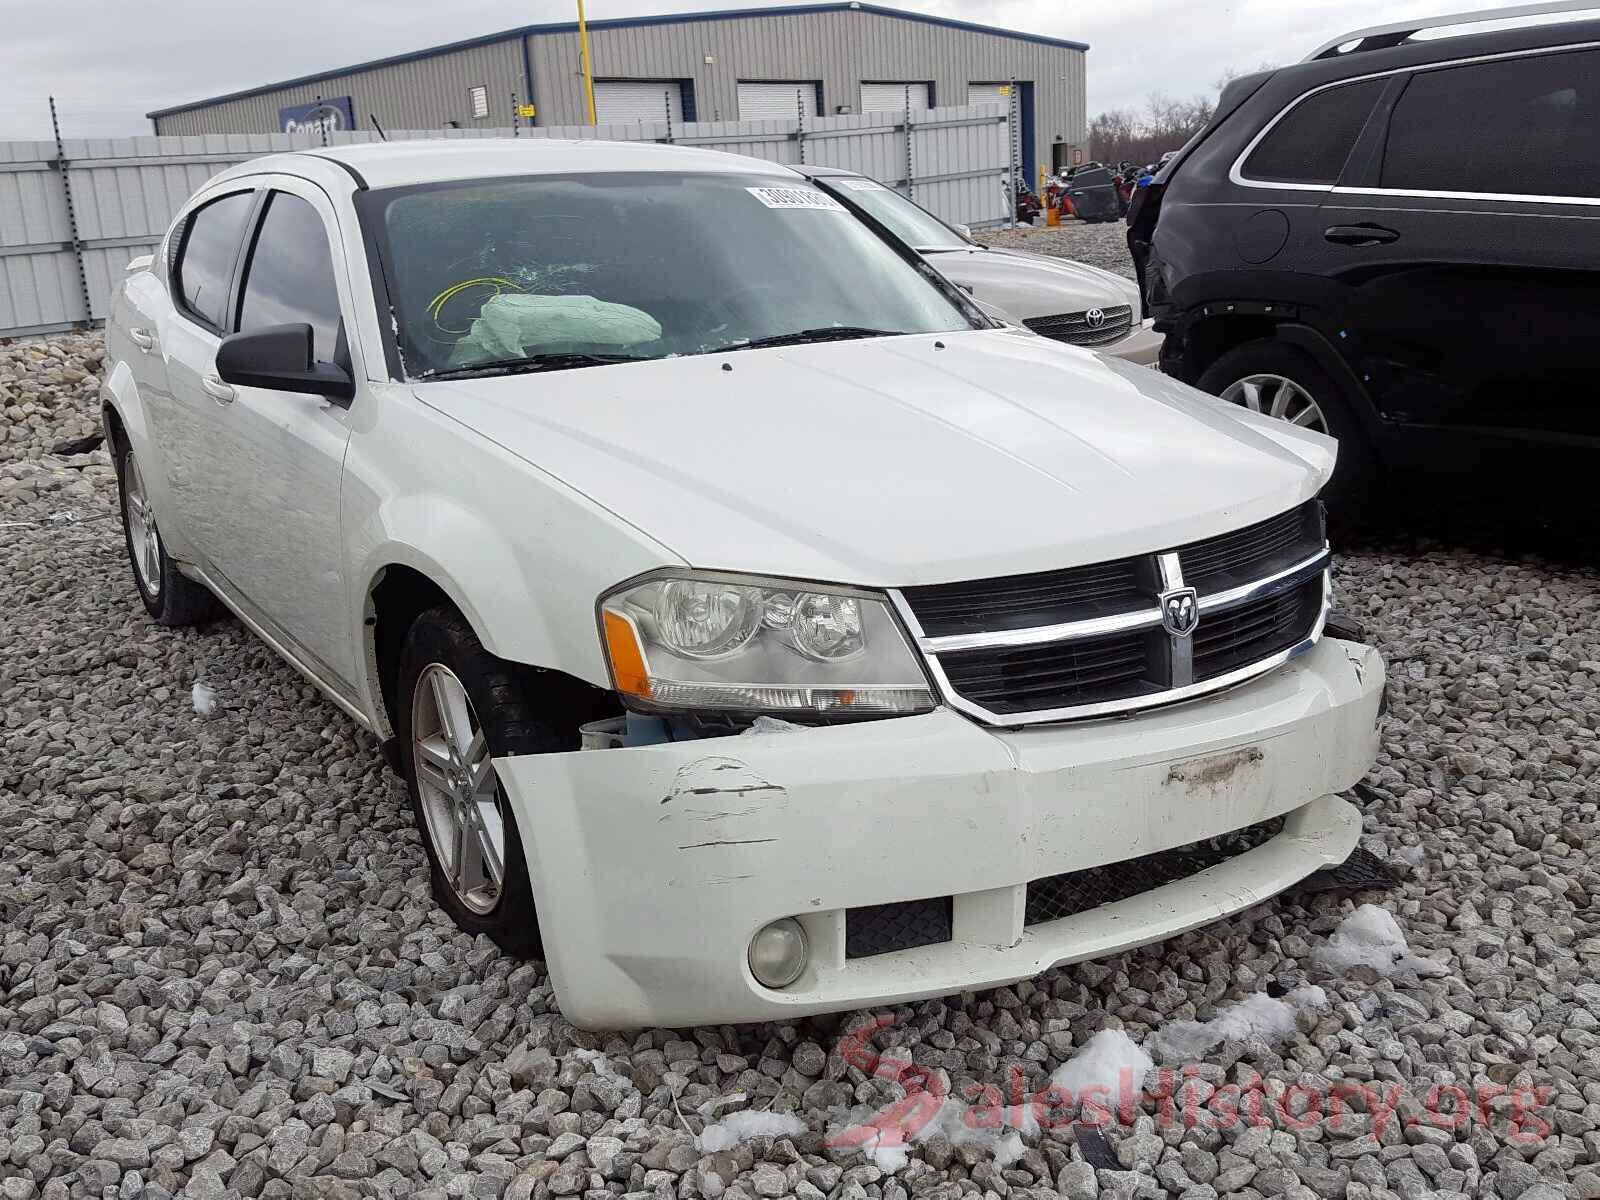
(1094, 318)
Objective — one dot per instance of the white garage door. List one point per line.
(620, 100)
(989, 93)
(769, 101)
(891, 97)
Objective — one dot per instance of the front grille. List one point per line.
(1075, 329)
(1023, 601)
(1076, 892)
(1037, 647)
(885, 928)
(1053, 674)
(1255, 551)
(1249, 632)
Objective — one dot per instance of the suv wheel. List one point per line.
(1278, 380)
(460, 708)
(169, 596)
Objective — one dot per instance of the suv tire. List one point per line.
(462, 812)
(170, 597)
(1275, 360)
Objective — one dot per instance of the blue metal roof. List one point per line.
(725, 14)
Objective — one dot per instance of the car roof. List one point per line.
(428, 160)
(811, 172)
(1425, 51)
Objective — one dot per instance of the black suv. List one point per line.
(1397, 242)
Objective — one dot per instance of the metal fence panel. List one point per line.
(125, 191)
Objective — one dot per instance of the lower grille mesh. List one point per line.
(885, 928)
(1075, 892)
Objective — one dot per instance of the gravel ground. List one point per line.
(221, 972)
(1099, 245)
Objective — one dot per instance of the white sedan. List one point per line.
(739, 604)
(1055, 297)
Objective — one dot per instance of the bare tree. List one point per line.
(1165, 123)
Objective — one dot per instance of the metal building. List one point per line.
(740, 64)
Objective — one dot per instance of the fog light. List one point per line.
(778, 953)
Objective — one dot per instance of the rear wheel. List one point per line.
(1281, 381)
(460, 708)
(169, 596)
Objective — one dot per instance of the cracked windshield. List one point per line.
(564, 272)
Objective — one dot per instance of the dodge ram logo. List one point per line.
(1180, 611)
(1094, 318)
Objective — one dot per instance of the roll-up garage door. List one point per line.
(620, 100)
(767, 101)
(891, 97)
(989, 93)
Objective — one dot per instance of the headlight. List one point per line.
(691, 640)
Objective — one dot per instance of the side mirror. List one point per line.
(965, 231)
(280, 357)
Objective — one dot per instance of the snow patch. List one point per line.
(1371, 937)
(1257, 1018)
(742, 1126)
(203, 698)
(765, 724)
(1100, 1065)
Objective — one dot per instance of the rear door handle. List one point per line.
(1361, 235)
(143, 339)
(221, 392)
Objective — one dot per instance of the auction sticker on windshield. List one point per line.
(784, 197)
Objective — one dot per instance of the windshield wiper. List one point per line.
(825, 333)
(529, 364)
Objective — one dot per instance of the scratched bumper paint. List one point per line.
(653, 866)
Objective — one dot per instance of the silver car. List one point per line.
(1055, 297)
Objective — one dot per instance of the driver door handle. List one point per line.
(1361, 235)
(221, 392)
(142, 338)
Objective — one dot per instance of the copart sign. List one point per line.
(323, 116)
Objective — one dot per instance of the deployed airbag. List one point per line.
(510, 324)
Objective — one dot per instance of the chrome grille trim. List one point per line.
(1074, 328)
(1145, 618)
(1176, 671)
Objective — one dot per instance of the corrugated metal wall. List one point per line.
(125, 192)
(424, 93)
(840, 48)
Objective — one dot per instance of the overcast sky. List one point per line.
(111, 61)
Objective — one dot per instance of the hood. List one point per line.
(1030, 285)
(897, 461)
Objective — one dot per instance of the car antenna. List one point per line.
(373, 117)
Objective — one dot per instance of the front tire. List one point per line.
(169, 596)
(1279, 380)
(460, 707)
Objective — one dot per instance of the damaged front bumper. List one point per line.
(654, 866)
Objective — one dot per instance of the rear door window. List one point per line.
(1523, 126)
(290, 277)
(210, 249)
(1312, 141)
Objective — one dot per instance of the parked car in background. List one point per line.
(738, 603)
(1395, 242)
(1055, 297)
(1094, 195)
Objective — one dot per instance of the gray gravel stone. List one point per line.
(221, 969)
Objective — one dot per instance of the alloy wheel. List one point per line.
(1280, 397)
(460, 793)
(143, 538)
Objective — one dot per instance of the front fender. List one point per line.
(466, 557)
